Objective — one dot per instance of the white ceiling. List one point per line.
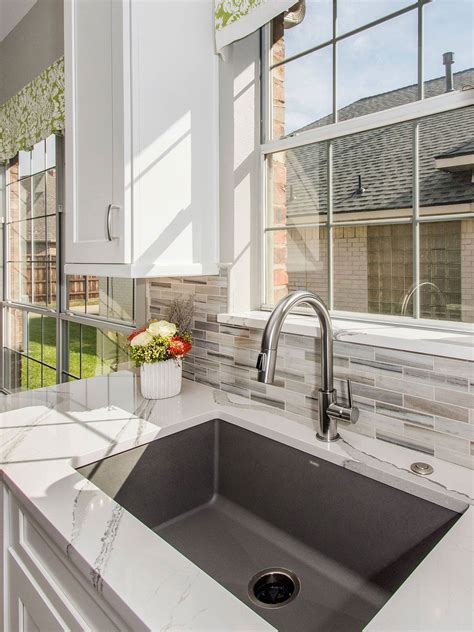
(11, 12)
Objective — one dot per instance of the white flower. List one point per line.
(162, 328)
(141, 339)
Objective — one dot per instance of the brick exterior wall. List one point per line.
(351, 278)
(308, 260)
(278, 284)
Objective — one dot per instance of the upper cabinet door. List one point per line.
(97, 211)
(141, 138)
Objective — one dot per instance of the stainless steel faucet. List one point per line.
(329, 409)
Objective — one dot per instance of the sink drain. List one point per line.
(273, 587)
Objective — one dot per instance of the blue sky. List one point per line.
(378, 60)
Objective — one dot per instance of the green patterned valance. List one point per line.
(237, 18)
(34, 113)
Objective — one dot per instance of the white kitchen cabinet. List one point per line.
(141, 138)
(41, 589)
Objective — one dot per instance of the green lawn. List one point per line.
(102, 352)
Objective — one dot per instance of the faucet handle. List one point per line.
(353, 410)
(349, 413)
(349, 393)
(261, 361)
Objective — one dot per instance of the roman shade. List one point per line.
(235, 19)
(34, 113)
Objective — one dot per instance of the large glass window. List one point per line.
(54, 330)
(368, 127)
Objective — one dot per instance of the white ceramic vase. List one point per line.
(161, 379)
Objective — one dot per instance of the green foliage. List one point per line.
(155, 351)
(158, 350)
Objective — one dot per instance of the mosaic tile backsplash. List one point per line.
(419, 401)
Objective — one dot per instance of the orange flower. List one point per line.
(179, 346)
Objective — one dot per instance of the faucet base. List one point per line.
(326, 439)
(327, 426)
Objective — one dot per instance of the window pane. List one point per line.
(35, 374)
(105, 297)
(39, 267)
(116, 298)
(51, 237)
(11, 370)
(20, 281)
(49, 376)
(113, 351)
(39, 194)
(446, 163)
(34, 349)
(20, 241)
(448, 27)
(13, 201)
(373, 269)
(74, 349)
(16, 327)
(51, 192)
(296, 259)
(76, 292)
(52, 286)
(92, 297)
(38, 227)
(91, 352)
(15, 366)
(38, 157)
(373, 174)
(24, 164)
(30, 343)
(315, 28)
(51, 151)
(352, 14)
(377, 69)
(447, 270)
(13, 171)
(49, 340)
(25, 198)
(102, 351)
(297, 185)
(302, 93)
(51, 269)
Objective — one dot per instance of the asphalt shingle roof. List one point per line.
(384, 159)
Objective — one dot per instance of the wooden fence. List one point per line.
(45, 289)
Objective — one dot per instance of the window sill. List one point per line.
(458, 344)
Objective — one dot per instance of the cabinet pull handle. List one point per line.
(108, 223)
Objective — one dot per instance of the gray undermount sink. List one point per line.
(307, 544)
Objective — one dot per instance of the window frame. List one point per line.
(414, 112)
(61, 313)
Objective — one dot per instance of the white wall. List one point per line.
(239, 171)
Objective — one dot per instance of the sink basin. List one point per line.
(305, 543)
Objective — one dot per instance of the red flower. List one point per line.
(179, 346)
(135, 333)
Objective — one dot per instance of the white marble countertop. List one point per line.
(44, 434)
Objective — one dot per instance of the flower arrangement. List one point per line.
(158, 341)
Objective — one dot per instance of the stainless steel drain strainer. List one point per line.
(273, 587)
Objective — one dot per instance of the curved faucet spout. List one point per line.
(271, 336)
(329, 410)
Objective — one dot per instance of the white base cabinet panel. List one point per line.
(141, 138)
(42, 591)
